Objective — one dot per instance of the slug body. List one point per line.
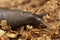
(17, 18)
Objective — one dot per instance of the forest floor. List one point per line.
(52, 7)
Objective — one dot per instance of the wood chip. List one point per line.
(11, 35)
(2, 32)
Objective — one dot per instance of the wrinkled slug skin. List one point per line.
(17, 18)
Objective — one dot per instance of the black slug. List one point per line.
(17, 18)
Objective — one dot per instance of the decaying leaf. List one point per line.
(2, 32)
(4, 25)
(11, 35)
